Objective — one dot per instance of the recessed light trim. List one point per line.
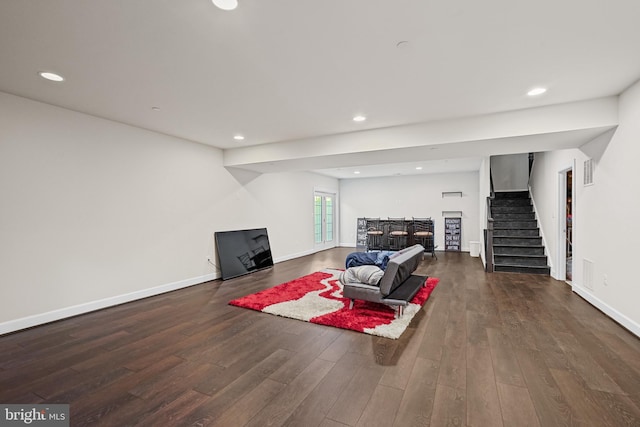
(225, 4)
(155, 108)
(238, 137)
(359, 118)
(537, 91)
(418, 168)
(356, 172)
(51, 76)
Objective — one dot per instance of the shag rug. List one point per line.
(317, 298)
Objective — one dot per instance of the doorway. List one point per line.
(324, 224)
(566, 221)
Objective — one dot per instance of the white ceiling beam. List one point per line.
(535, 129)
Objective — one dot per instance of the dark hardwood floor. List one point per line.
(486, 350)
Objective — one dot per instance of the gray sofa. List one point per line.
(398, 284)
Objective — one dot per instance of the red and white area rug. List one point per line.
(317, 298)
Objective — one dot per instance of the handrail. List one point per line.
(488, 232)
(491, 182)
(532, 161)
(489, 214)
(488, 240)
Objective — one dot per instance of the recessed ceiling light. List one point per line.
(155, 108)
(536, 91)
(226, 4)
(51, 76)
(402, 44)
(356, 172)
(238, 137)
(359, 118)
(418, 168)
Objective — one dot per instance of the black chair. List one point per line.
(423, 234)
(374, 234)
(398, 234)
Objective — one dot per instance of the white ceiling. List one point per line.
(293, 70)
(466, 164)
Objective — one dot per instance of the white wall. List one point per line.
(545, 189)
(409, 196)
(484, 191)
(510, 172)
(606, 229)
(95, 212)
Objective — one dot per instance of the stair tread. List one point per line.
(505, 245)
(521, 265)
(522, 269)
(522, 255)
(511, 209)
(532, 221)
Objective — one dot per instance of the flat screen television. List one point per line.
(242, 251)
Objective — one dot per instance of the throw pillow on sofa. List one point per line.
(367, 274)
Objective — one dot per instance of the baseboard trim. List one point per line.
(294, 256)
(63, 313)
(301, 254)
(620, 318)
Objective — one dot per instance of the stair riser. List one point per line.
(511, 195)
(515, 224)
(520, 260)
(510, 202)
(533, 270)
(517, 241)
(517, 250)
(511, 209)
(514, 216)
(516, 233)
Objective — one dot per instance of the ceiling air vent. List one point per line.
(588, 172)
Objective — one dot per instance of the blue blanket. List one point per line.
(379, 258)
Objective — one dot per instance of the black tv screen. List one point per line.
(243, 251)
